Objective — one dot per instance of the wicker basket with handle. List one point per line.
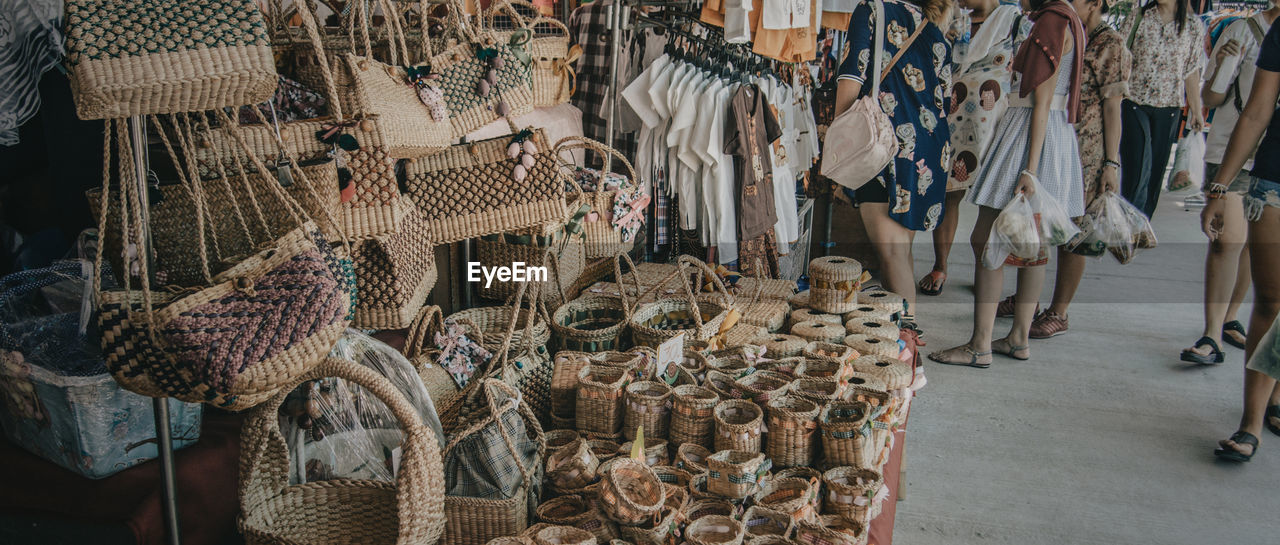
(831, 530)
(736, 473)
(593, 323)
(653, 324)
(630, 492)
(553, 77)
(604, 239)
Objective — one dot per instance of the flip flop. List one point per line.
(1236, 326)
(1215, 357)
(1011, 351)
(936, 278)
(1233, 455)
(973, 359)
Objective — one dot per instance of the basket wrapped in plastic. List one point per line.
(739, 425)
(792, 440)
(735, 473)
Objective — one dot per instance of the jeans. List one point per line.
(1262, 193)
(1146, 138)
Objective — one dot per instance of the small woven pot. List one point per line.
(656, 452)
(831, 530)
(706, 507)
(739, 424)
(578, 512)
(810, 315)
(656, 532)
(692, 457)
(896, 374)
(714, 530)
(791, 496)
(559, 439)
(573, 466)
(721, 383)
(630, 492)
(604, 449)
(868, 388)
(763, 521)
(845, 433)
(784, 346)
(601, 391)
(564, 535)
(785, 366)
(695, 363)
(564, 383)
(763, 386)
(834, 283)
(887, 331)
(836, 352)
(818, 390)
(692, 419)
(853, 493)
(868, 312)
(674, 476)
(648, 405)
(867, 345)
(735, 473)
(818, 331)
(885, 301)
(807, 474)
(791, 440)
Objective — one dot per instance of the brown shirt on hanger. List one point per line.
(751, 129)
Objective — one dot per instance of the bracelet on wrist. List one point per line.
(1110, 163)
(1215, 196)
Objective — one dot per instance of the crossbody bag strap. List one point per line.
(877, 76)
(902, 50)
(1133, 31)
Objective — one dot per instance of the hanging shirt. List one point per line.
(722, 194)
(737, 23)
(751, 130)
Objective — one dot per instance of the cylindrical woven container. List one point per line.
(600, 397)
(823, 369)
(656, 452)
(578, 512)
(834, 283)
(735, 473)
(695, 363)
(868, 388)
(763, 386)
(874, 328)
(896, 373)
(791, 496)
(852, 493)
(674, 476)
(604, 449)
(791, 440)
(564, 383)
(818, 331)
(808, 474)
(572, 467)
(721, 383)
(564, 535)
(784, 346)
(734, 366)
(630, 492)
(705, 507)
(692, 457)
(831, 530)
(763, 521)
(818, 390)
(692, 419)
(714, 530)
(867, 345)
(739, 424)
(837, 352)
(785, 366)
(845, 434)
(648, 405)
(810, 315)
(885, 301)
(559, 439)
(868, 312)
(799, 300)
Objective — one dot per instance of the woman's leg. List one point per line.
(892, 242)
(1030, 284)
(943, 237)
(987, 284)
(1070, 272)
(1225, 282)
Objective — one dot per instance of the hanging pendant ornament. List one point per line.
(502, 108)
(483, 88)
(519, 173)
(491, 76)
(513, 150)
(527, 160)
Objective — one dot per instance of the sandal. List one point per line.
(937, 279)
(971, 362)
(1233, 455)
(1273, 411)
(1236, 327)
(1006, 348)
(1214, 357)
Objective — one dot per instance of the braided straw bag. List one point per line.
(409, 511)
(603, 238)
(166, 56)
(736, 473)
(630, 492)
(853, 493)
(649, 405)
(791, 438)
(592, 323)
(469, 190)
(834, 284)
(846, 434)
(714, 530)
(554, 80)
(653, 324)
(461, 70)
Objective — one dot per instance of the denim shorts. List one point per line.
(1262, 194)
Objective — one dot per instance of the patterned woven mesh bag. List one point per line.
(139, 57)
(604, 237)
(482, 75)
(553, 77)
(242, 335)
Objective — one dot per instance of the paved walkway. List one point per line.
(1104, 436)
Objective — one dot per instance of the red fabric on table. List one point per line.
(881, 531)
(207, 473)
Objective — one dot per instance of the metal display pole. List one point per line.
(159, 405)
(616, 14)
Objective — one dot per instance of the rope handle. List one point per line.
(491, 387)
(419, 340)
(627, 309)
(570, 143)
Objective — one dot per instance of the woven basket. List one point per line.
(631, 492)
(706, 507)
(851, 493)
(593, 323)
(394, 275)
(573, 466)
(824, 369)
(558, 439)
(562, 262)
(511, 540)
(714, 530)
(564, 383)
(762, 521)
(528, 533)
(410, 510)
(818, 331)
(884, 301)
(771, 314)
(648, 405)
(564, 535)
(834, 352)
(808, 474)
(603, 238)
(795, 497)
(762, 386)
(784, 346)
(720, 383)
(734, 366)
(818, 390)
(656, 532)
(605, 449)
(864, 387)
(739, 425)
(845, 433)
(768, 288)
(405, 124)
(695, 363)
(867, 345)
(785, 366)
(799, 300)
(810, 315)
(653, 324)
(656, 452)
(791, 440)
(887, 331)
(769, 540)
(868, 312)
(673, 476)
(896, 374)
(692, 457)
(461, 69)
(834, 283)
(601, 391)
(181, 57)
(735, 473)
(468, 191)
(692, 421)
(831, 530)
(578, 512)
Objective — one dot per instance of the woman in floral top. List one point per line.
(1167, 42)
(1102, 89)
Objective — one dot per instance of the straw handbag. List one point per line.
(736, 473)
(653, 324)
(834, 283)
(630, 492)
(408, 511)
(482, 501)
(715, 530)
(483, 76)
(594, 323)
(602, 227)
(471, 190)
(166, 56)
(562, 260)
(394, 276)
(846, 434)
(554, 80)
(189, 344)
(792, 440)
